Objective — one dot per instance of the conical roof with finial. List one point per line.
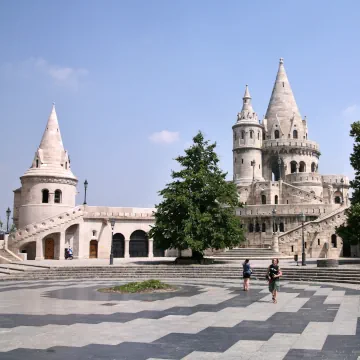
(51, 158)
(282, 103)
(247, 112)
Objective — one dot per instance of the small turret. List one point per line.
(248, 135)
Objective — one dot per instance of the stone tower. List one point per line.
(247, 143)
(48, 188)
(286, 148)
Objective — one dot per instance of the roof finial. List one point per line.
(281, 60)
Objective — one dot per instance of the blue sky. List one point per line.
(122, 71)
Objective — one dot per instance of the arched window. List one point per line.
(258, 135)
(37, 163)
(276, 199)
(57, 197)
(337, 200)
(251, 228)
(257, 227)
(66, 165)
(334, 240)
(295, 134)
(293, 166)
(263, 227)
(263, 199)
(302, 167)
(313, 167)
(243, 134)
(45, 196)
(251, 134)
(282, 227)
(277, 134)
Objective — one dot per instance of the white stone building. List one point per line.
(276, 173)
(275, 170)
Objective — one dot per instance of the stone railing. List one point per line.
(46, 224)
(304, 178)
(335, 180)
(303, 194)
(297, 143)
(336, 217)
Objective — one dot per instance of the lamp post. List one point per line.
(279, 163)
(303, 256)
(253, 163)
(85, 187)
(112, 222)
(342, 191)
(273, 216)
(8, 212)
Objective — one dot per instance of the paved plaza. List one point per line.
(204, 319)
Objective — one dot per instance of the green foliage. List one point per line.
(138, 287)
(198, 207)
(350, 232)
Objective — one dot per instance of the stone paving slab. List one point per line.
(207, 319)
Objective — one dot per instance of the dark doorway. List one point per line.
(118, 245)
(139, 244)
(346, 249)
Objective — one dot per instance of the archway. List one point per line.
(302, 167)
(337, 200)
(282, 227)
(118, 245)
(263, 199)
(49, 249)
(277, 134)
(257, 227)
(334, 241)
(139, 244)
(293, 166)
(93, 251)
(295, 134)
(251, 227)
(263, 227)
(30, 250)
(313, 167)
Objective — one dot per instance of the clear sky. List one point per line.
(133, 81)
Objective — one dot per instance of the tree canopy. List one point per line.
(198, 207)
(351, 230)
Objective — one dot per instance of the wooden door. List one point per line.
(93, 249)
(49, 249)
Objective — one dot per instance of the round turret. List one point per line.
(247, 143)
(49, 186)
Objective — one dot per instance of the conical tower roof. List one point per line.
(247, 112)
(51, 159)
(282, 103)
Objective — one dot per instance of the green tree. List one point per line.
(198, 207)
(350, 231)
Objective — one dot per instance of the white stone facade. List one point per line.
(275, 171)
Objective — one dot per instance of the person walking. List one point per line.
(273, 276)
(246, 274)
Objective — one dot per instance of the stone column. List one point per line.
(151, 248)
(275, 244)
(126, 249)
(61, 255)
(39, 249)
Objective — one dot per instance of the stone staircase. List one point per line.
(136, 272)
(6, 257)
(303, 195)
(249, 253)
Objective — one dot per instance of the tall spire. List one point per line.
(247, 111)
(282, 103)
(51, 143)
(51, 158)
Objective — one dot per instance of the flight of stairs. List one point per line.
(249, 253)
(137, 272)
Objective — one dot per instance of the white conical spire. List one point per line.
(51, 143)
(51, 158)
(247, 111)
(282, 103)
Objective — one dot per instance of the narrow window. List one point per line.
(263, 199)
(57, 197)
(259, 166)
(282, 227)
(243, 134)
(295, 134)
(318, 241)
(292, 248)
(276, 199)
(242, 161)
(37, 163)
(283, 84)
(305, 244)
(277, 134)
(251, 227)
(263, 228)
(257, 227)
(251, 134)
(45, 196)
(264, 136)
(66, 165)
(334, 241)
(258, 136)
